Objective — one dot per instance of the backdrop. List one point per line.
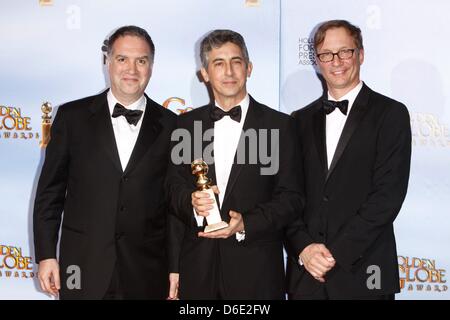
(52, 51)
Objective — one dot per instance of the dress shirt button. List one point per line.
(125, 179)
(326, 199)
(119, 235)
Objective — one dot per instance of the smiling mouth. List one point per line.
(337, 73)
(130, 80)
(229, 82)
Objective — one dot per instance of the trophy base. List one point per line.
(215, 226)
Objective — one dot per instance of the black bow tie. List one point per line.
(132, 116)
(235, 113)
(329, 106)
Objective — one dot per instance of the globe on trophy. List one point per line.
(199, 168)
(46, 125)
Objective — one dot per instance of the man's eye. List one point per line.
(142, 61)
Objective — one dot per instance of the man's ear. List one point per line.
(204, 74)
(361, 56)
(108, 61)
(249, 69)
(150, 71)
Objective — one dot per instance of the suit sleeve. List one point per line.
(286, 201)
(179, 186)
(176, 230)
(296, 234)
(51, 191)
(389, 186)
(175, 226)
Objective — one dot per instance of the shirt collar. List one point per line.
(139, 104)
(244, 106)
(350, 96)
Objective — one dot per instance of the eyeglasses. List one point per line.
(343, 54)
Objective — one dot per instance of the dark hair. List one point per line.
(218, 38)
(353, 30)
(131, 31)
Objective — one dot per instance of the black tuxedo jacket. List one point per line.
(253, 268)
(352, 206)
(111, 217)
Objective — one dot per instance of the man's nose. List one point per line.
(228, 69)
(131, 67)
(336, 61)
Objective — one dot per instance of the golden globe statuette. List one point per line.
(199, 168)
(45, 2)
(46, 108)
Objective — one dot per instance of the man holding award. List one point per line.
(104, 167)
(239, 253)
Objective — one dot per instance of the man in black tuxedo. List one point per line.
(356, 150)
(104, 167)
(257, 198)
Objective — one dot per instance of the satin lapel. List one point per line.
(252, 121)
(102, 128)
(357, 113)
(150, 129)
(319, 138)
(208, 124)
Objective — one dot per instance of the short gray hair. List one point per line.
(218, 38)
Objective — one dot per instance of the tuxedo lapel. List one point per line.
(357, 113)
(319, 138)
(150, 129)
(102, 128)
(252, 120)
(207, 124)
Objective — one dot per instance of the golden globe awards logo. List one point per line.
(306, 51)
(429, 131)
(13, 264)
(176, 101)
(45, 2)
(252, 3)
(13, 125)
(421, 274)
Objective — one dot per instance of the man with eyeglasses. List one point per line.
(356, 150)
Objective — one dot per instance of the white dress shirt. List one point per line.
(227, 133)
(226, 138)
(336, 121)
(125, 134)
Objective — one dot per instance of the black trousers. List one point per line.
(115, 291)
